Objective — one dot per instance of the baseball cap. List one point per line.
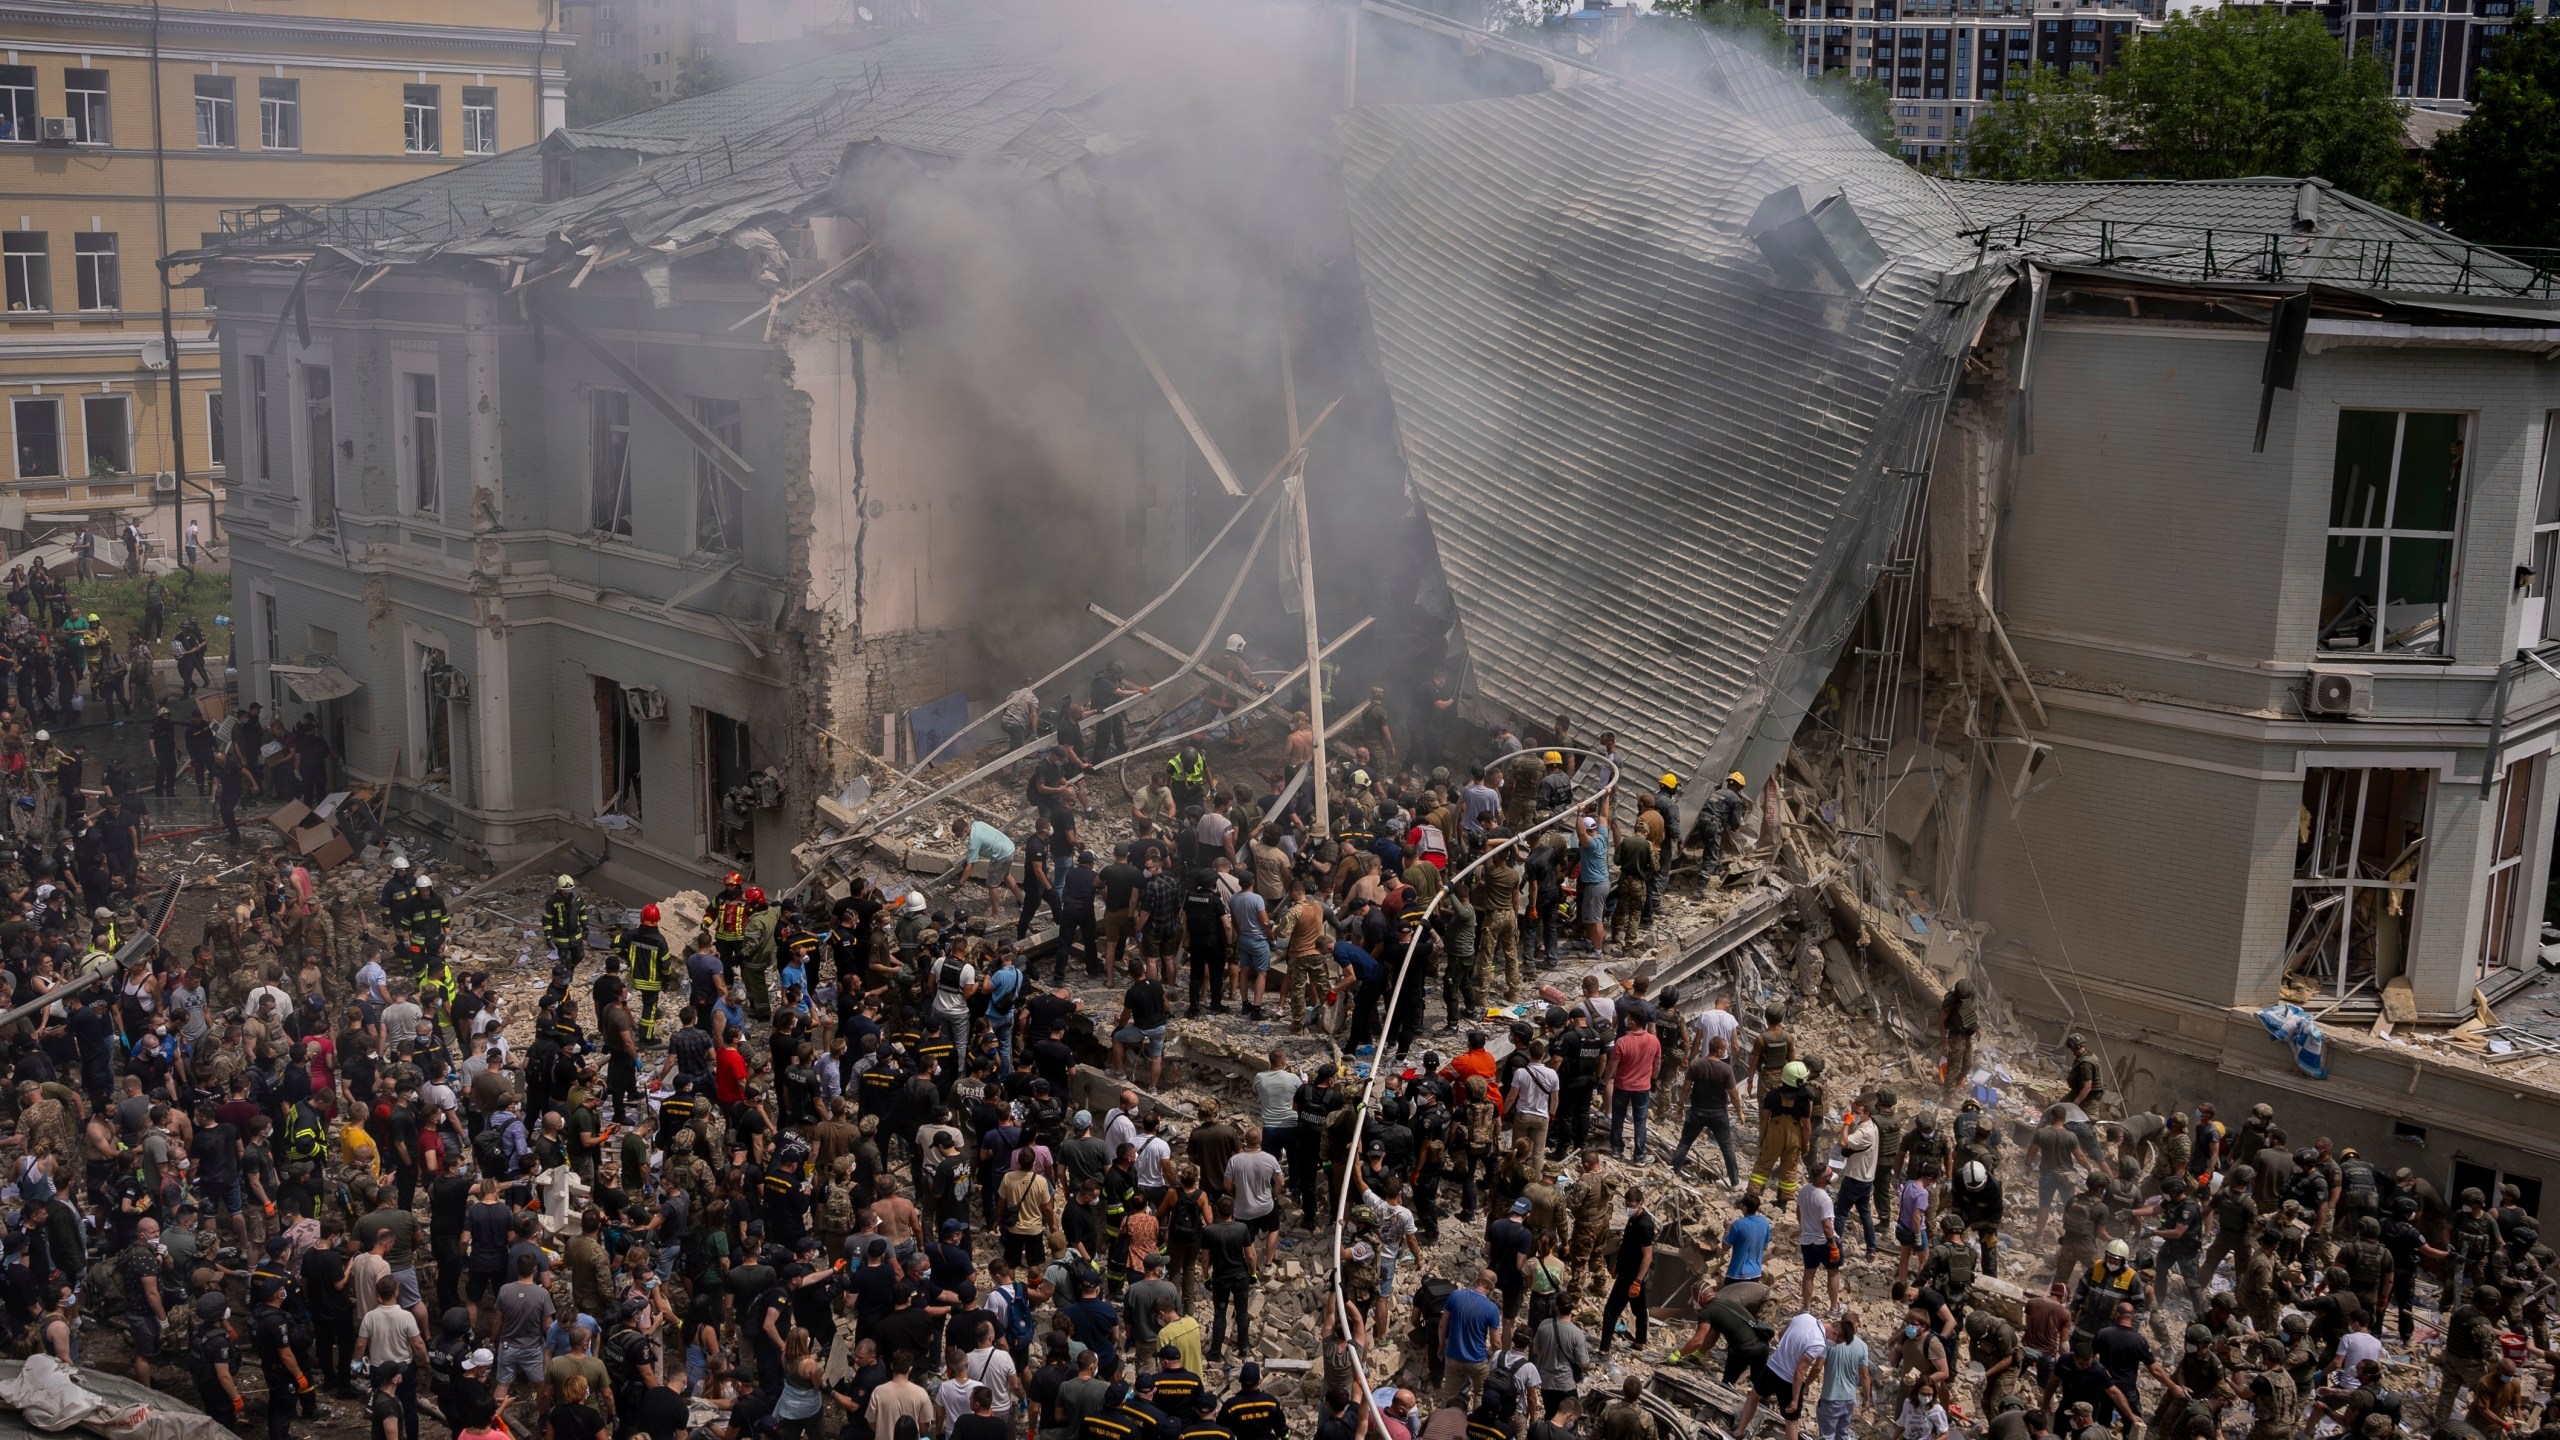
(1250, 1375)
(1083, 1118)
(479, 1359)
(1520, 1206)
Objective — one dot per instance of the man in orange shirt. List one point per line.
(1628, 1071)
(1475, 1060)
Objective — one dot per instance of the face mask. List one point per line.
(1911, 1332)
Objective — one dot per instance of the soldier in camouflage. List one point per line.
(1589, 1206)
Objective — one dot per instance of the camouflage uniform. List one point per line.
(1588, 1204)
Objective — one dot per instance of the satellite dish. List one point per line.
(864, 11)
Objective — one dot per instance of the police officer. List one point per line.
(1251, 1414)
(272, 1335)
(272, 1270)
(216, 1355)
(564, 923)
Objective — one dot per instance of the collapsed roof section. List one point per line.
(1662, 448)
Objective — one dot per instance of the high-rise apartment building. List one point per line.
(1942, 60)
(258, 103)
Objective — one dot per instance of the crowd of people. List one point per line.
(834, 1169)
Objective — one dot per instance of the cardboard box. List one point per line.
(213, 704)
(333, 854)
(289, 817)
(310, 838)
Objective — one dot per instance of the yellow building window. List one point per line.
(479, 120)
(279, 114)
(421, 128)
(38, 427)
(93, 259)
(217, 113)
(85, 94)
(18, 103)
(26, 265)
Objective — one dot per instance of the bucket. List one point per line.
(2514, 1346)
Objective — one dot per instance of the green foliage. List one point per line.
(2497, 175)
(2248, 91)
(1756, 28)
(701, 73)
(2047, 125)
(2212, 95)
(600, 90)
(1865, 104)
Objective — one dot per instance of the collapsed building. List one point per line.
(2142, 585)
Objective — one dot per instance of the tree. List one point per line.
(2048, 125)
(2213, 95)
(2498, 173)
(600, 90)
(701, 73)
(2246, 90)
(1866, 105)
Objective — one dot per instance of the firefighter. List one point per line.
(564, 924)
(644, 954)
(422, 928)
(729, 914)
(1187, 775)
(756, 953)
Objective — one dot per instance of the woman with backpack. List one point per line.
(1186, 1218)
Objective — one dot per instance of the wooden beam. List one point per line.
(1181, 408)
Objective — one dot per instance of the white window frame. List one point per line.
(18, 104)
(218, 113)
(123, 402)
(2542, 619)
(422, 121)
(2351, 803)
(29, 272)
(89, 107)
(96, 274)
(253, 383)
(479, 120)
(420, 493)
(61, 440)
(2385, 533)
(2511, 910)
(280, 114)
(304, 490)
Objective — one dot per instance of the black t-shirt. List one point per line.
(1632, 1244)
(492, 1231)
(1146, 1005)
(911, 1330)
(1120, 884)
(572, 1422)
(974, 1426)
(1228, 1244)
(1505, 1241)
(216, 1151)
(1047, 1009)
(272, 1334)
(1053, 1059)
(321, 1270)
(447, 1206)
(659, 1413)
(2124, 1351)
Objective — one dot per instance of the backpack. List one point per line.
(1017, 1314)
(1185, 1227)
(1502, 1389)
(1959, 1267)
(102, 1284)
(489, 1151)
(1048, 1121)
(622, 1361)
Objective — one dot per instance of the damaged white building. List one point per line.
(2164, 562)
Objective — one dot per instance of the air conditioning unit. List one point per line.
(645, 702)
(58, 130)
(2333, 691)
(165, 482)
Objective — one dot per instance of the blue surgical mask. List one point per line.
(1911, 1331)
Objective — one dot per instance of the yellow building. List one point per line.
(260, 103)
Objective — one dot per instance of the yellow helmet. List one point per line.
(1553, 757)
(1735, 778)
(1670, 781)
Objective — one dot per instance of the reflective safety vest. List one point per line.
(437, 985)
(729, 920)
(564, 920)
(1195, 773)
(305, 1136)
(644, 952)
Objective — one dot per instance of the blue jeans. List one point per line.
(2053, 1187)
(1860, 1196)
(1623, 1103)
(1832, 1419)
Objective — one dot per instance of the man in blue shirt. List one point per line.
(1467, 1324)
(1097, 1324)
(1368, 979)
(1591, 891)
(1003, 989)
(1745, 1241)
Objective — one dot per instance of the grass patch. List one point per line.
(117, 601)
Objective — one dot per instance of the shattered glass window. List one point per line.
(2355, 878)
(2395, 496)
(720, 509)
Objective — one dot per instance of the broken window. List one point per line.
(2355, 876)
(720, 508)
(39, 427)
(609, 460)
(421, 131)
(617, 750)
(320, 443)
(433, 684)
(2394, 500)
(2508, 932)
(257, 386)
(217, 115)
(727, 799)
(422, 437)
(2545, 617)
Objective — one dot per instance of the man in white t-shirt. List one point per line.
(1533, 1093)
(1714, 1022)
(1790, 1376)
(1818, 1232)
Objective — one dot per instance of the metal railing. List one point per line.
(2408, 263)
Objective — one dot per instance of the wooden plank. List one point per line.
(1181, 408)
(2400, 1001)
